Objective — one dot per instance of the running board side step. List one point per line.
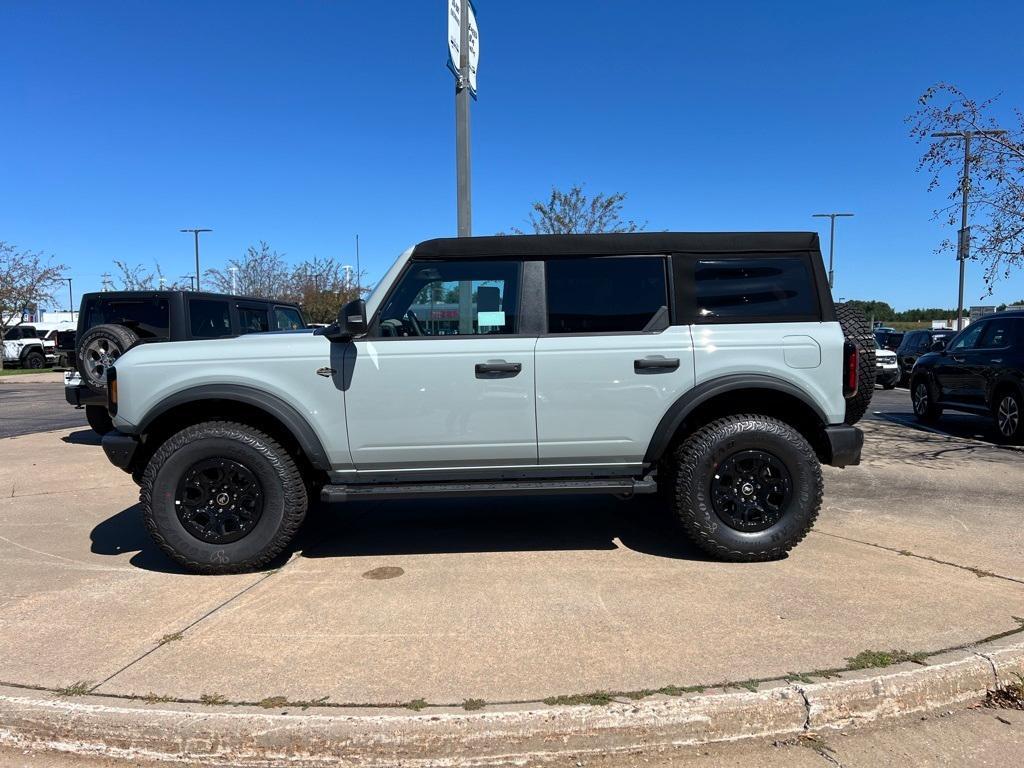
(624, 486)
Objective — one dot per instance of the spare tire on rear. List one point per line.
(98, 349)
(857, 329)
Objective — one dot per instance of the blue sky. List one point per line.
(302, 123)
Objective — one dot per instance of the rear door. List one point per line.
(987, 362)
(610, 363)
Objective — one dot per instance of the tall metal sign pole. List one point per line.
(463, 55)
(963, 243)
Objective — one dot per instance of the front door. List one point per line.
(610, 364)
(444, 379)
(952, 370)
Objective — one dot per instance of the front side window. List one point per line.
(287, 319)
(998, 333)
(753, 288)
(606, 295)
(208, 318)
(969, 338)
(453, 298)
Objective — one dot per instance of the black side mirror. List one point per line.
(351, 322)
(938, 345)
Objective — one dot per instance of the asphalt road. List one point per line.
(35, 407)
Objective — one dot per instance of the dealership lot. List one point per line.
(501, 600)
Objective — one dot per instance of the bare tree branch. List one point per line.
(27, 279)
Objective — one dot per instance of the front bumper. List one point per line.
(845, 444)
(120, 449)
(887, 375)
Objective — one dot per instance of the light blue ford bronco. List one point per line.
(710, 368)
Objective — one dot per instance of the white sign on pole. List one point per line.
(454, 17)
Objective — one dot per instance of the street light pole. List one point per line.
(963, 245)
(196, 231)
(71, 301)
(831, 242)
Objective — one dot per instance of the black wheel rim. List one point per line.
(218, 501)
(751, 490)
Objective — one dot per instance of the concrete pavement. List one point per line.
(489, 602)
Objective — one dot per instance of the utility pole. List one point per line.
(106, 281)
(831, 243)
(71, 301)
(462, 158)
(196, 231)
(963, 245)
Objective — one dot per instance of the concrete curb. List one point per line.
(252, 737)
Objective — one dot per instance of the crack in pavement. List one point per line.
(205, 616)
(979, 572)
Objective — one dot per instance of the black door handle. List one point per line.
(496, 369)
(656, 363)
(958, 358)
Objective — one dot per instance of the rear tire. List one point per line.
(710, 473)
(923, 399)
(857, 329)
(98, 349)
(99, 419)
(220, 497)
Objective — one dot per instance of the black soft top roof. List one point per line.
(616, 244)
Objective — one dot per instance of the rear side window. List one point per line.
(208, 319)
(252, 320)
(607, 295)
(751, 289)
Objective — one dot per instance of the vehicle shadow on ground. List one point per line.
(964, 426)
(524, 524)
(489, 524)
(82, 437)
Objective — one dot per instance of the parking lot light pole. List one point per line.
(196, 231)
(963, 245)
(71, 301)
(831, 243)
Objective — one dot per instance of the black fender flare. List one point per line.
(289, 417)
(707, 390)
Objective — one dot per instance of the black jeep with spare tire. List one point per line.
(112, 322)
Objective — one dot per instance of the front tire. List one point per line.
(746, 488)
(220, 497)
(35, 360)
(99, 419)
(1009, 416)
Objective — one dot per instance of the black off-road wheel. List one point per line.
(34, 360)
(221, 497)
(99, 419)
(98, 349)
(857, 329)
(745, 488)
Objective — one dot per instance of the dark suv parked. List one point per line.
(915, 344)
(980, 370)
(110, 323)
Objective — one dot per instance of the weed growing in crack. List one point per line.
(79, 688)
(416, 705)
(1009, 696)
(213, 699)
(473, 704)
(872, 659)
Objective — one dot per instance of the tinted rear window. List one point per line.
(147, 317)
(745, 288)
(606, 295)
